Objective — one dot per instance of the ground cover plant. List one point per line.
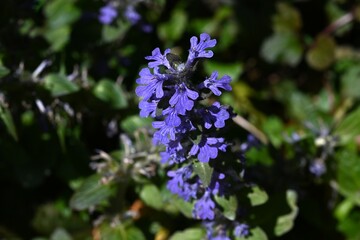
(154, 119)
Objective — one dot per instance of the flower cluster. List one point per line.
(188, 130)
(109, 13)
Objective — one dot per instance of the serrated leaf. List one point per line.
(111, 93)
(285, 223)
(349, 128)
(91, 193)
(229, 206)
(204, 171)
(322, 54)
(7, 118)
(188, 234)
(151, 195)
(132, 123)
(59, 85)
(257, 196)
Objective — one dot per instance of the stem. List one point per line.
(242, 122)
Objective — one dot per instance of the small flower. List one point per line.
(178, 183)
(317, 168)
(241, 230)
(152, 83)
(107, 14)
(198, 49)
(215, 115)
(164, 133)
(183, 98)
(208, 148)
(158, 58)
(204, 207)
(148, 108)
(131, 15)
(213, 84)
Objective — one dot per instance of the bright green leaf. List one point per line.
(188, 234)
(229, 206)
(257, 196)
(151, 195)
(285, 223)
(134, 233)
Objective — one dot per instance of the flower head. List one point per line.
(198, 49)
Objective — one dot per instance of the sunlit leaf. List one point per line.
(204, 171)
(229, 206)
(151, 195)
(111, 93)
(257, 196)
(285, 223)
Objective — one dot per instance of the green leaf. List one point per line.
(350, 226)
(151, 195)
(204, 171)
(255, 234)
(91, 193)
(322, 53)
(284, 47)
(287, 19)
(234, 70)
(259, 156)
(348, 175)
(350, 86)
(7, 118)
(111, 33)
(349, 128)
(273, 127)
(257, 196)
(111, 93)
(285, 223)
(3, 70)
(109, 232)
(183, 206)
(229, 206)
(134, 233)
(59, 85)
(173, 29)
(133, 123)
(343, 209)
(58, 37)
(60, 234)
(188, 234)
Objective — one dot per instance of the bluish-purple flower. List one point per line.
(204, 207)
(214, 84)
(131, 15)
(183, 99)
(215, 115)
(241, 230)
(107, 14)
(148, 108)
(158, 59)
(150, 83)
(178, 184)
(198, 49)
(208, 148)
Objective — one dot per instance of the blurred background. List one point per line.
(69, 115)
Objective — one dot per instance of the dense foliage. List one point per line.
(154, 119)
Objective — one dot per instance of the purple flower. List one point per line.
(215, 115)
(241, 230)
(131, 15)
(217, 186)
(213, 84)
(172, 119)
(208, 148)
(158, 58)
(148, 108)
(152, 83)
(317, 168)
(107, 14)
(164, 133)
(178, 183)
(204, 207)
(183, 99)
(198, 49)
